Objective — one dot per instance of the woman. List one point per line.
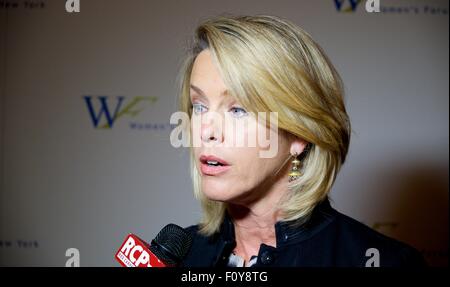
(271, 210)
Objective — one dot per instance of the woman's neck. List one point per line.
(254, 223)
(251, 231)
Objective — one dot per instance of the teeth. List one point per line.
(214, 163)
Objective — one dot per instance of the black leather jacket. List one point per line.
(328, 239)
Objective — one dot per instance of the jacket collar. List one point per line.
(292, 232)
(288, 232)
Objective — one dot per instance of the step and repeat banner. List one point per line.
(87, 91)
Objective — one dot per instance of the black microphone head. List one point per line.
(171, 244)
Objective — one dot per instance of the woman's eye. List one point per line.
(238, 112)
(198, 108)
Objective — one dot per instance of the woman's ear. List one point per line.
(298, 146)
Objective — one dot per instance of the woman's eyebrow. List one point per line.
(202, 94)
(198, 90)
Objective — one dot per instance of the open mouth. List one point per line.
(211, 165)
(212, 161)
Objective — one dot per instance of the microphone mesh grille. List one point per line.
(173, 243)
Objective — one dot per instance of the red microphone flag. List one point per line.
(135, 252)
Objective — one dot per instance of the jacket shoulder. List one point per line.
(356, 238)
(202, 252)
(193, 229)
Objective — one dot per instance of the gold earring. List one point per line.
(295, 169)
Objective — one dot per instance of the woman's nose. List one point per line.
(211, 129)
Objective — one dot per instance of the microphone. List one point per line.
(168, 248)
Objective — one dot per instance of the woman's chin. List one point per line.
(216, 192)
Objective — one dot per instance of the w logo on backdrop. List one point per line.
(346, 5)
(106, 110)
(351, 5)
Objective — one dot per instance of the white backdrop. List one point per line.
(66, 183)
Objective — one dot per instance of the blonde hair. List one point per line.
(269, 64)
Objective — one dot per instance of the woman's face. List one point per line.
(230, 173)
